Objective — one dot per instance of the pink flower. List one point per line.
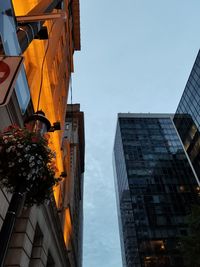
(11, 128)
(34, 139)
(46, 136)
(28, 126)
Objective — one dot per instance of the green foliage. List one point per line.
(26, 160)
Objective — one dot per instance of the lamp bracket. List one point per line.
(41, 17)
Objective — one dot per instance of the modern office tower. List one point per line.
(187, 117)
(155, 188)
(46, 34)
(74, 151)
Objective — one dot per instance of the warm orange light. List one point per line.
(56, 192)
(54, 89)
(182, 188)
(67, 227)
(22, 7)
(162, 247)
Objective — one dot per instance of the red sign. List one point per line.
(9, 68)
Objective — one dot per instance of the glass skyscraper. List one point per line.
(187, 117)
(155, 188)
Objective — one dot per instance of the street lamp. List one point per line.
(39, 123)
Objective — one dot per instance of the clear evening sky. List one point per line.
(136, 57)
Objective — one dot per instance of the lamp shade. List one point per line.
(39, 123)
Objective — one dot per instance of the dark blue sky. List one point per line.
(136, 57)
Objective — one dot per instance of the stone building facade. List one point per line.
(41, 234)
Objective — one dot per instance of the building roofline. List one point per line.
(145, 115)
(73, 111)
(192, 70)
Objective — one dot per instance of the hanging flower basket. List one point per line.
(26, 161)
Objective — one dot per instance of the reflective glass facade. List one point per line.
(155, 188)
(187, 117)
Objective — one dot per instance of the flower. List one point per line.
(34, 139)
(13, 148)
(11, 164)
(29, 126)
(31, 158)
(46, 136)
(29, 176)
(8, 150)
(27, 160)
(10, 128)
(20, 145)
(32, 164)
(27, 148)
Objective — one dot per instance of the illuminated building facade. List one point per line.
(155, 188)
(41, 235)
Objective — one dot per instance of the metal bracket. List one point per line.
(41, 17)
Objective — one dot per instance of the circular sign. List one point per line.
(4, 71)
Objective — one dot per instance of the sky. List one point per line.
(136, 56)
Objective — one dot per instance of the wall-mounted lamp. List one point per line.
(39, 123)
(55, 127)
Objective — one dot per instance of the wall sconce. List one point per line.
(39, 123)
